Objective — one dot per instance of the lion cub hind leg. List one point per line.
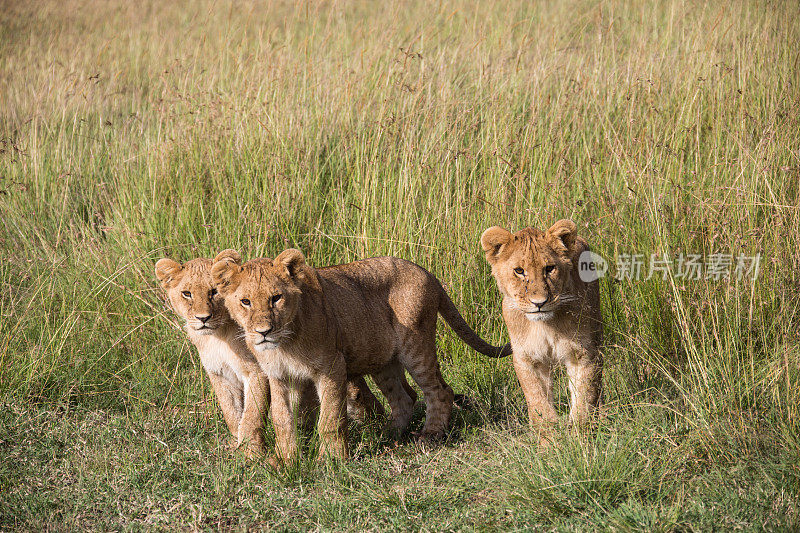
(407, 386)
(361, 402)
(391, 380)
(304, 404)
(420, 360)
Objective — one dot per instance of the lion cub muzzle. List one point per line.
(266, 338)
(539, 309)
(202, 324)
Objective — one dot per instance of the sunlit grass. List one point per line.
(131, 131)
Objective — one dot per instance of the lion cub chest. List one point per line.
(546, 341)
(222, 355)
(287, 364)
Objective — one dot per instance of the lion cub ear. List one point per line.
(225, 271)
(168, 272)
(493, 240)
(229, 255)
(294, 262)
(562, 235)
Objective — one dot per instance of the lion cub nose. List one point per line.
(203, 318)
(539, 303)
(264, 331)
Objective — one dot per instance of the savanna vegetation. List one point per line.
(130, 131)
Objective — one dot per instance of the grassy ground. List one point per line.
(134, 130)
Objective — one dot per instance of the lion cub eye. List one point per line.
(213, 292)
(519, 271)
(277, 298)
(186, 294)
(549, 268)
(245, 302)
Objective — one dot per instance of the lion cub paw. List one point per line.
(429, 437)
(274, 462)
(545, 438)
(253, 452)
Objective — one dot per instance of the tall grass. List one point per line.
(132, 131)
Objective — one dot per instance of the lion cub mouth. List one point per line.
(204, 329)
(536, 316)
(266, 344)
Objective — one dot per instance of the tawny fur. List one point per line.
(376, 317)
(239, 384)
(567, 327)
(241, 387)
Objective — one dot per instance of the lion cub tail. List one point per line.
(454, 319)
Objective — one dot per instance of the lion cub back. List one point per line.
(397, 299)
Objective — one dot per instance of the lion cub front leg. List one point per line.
(332, 390)
(283, 419)
(226, 393)
(256, 389)
(537, 384)
(584, 371)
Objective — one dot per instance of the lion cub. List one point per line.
(552, 315)
(376, 317)
(241, 387)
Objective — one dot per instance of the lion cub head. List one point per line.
(263, 295)
(192, 294)
(534, 269)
